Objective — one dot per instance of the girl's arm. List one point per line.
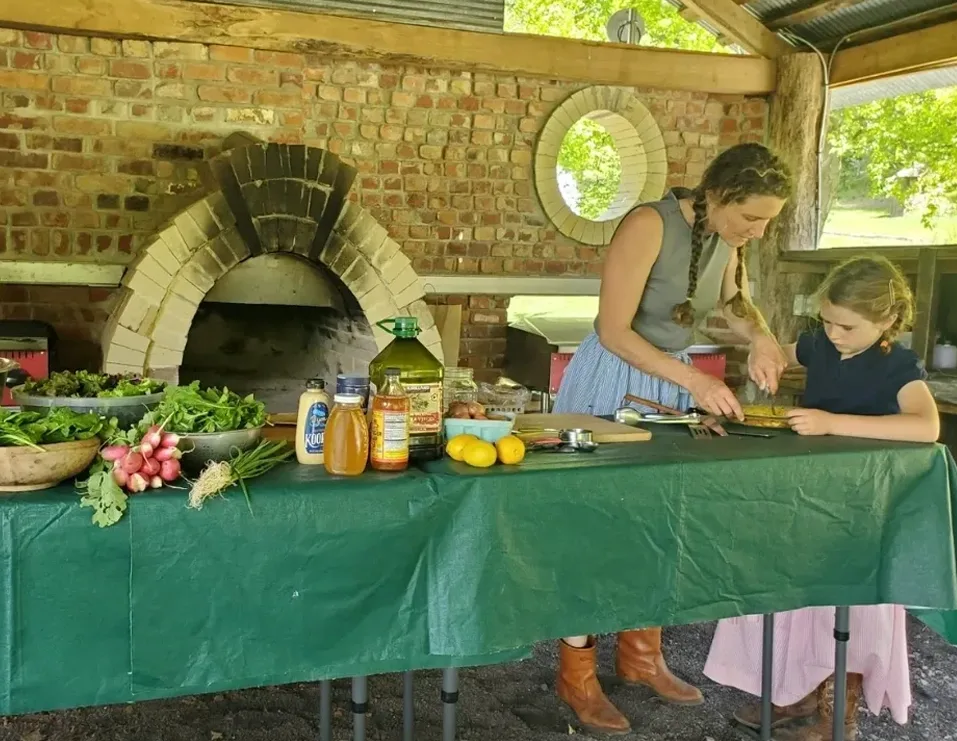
(766, 361)
(631, 255)
(918, 421)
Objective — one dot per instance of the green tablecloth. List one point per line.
(457, 566)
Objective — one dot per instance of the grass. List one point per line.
(857, 227)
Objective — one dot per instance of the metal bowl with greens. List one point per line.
(89, 385)
(125, 397)
(212, 422)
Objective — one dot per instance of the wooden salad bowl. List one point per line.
(23, 468)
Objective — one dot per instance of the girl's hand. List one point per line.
(714, 396)
(811, 422)
(766, 362)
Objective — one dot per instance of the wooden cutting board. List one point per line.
(604, 431)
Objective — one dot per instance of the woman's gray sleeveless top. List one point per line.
(668, 282)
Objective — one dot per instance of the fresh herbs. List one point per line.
(103, 495)
(191, 409)
(59, 426)
(86, 385)
(217, 477)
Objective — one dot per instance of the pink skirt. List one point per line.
(804, 655)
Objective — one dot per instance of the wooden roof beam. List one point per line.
(395, 43)
(734, 22)
(910, 52)
(812, 12)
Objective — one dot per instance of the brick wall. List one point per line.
(100, 142)
(484, 323)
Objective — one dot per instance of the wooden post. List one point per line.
(794, 131)
(927, 297)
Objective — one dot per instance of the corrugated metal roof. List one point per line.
(476, 15)
(830, 27)
(891, 87)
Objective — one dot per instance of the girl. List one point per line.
(859, 384)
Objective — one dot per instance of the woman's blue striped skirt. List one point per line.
(597, 380)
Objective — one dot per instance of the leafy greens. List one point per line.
(86, 385)
(59, 426)
(103, 495)
(191, 409)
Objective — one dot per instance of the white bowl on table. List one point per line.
(489, 430)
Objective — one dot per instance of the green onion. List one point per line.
(219, 476)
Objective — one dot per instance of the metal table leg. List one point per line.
(450, 696)
(408, 710)
(842, 634)
(360, 705)
(325, 710)
(767, 675)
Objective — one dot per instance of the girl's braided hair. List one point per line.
(873, 287)
(735, 175)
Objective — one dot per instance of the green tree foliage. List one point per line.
(588, 153)
(904, 147)
(586, 19)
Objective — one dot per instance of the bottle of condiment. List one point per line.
(314, 405)
(421, 374)
(347, 437)
(349, 384)
(389, 449)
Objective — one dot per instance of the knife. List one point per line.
(755, 395)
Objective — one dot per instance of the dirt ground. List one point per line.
(514, 702)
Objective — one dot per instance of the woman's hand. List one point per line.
(766, 362)
(811, 422)
(714, 396)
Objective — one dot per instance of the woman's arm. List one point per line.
(791, 354)
(918, 421)
(631, 255)
(766, 361)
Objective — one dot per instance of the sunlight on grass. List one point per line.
(854, 227)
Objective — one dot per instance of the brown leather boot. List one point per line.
(750, 715)
(823, 729)
(578, 686)
(640, 661)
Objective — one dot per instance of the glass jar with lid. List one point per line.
(459, 386)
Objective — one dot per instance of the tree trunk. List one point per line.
(794, 128)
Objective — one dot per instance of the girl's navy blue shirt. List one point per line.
(866, 384)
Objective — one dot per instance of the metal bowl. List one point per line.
(202, 447)
(128, 410)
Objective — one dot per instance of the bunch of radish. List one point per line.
(149, 465)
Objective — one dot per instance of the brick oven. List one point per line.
(274, 277)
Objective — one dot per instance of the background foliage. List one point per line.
(588, 162)
(902, 149)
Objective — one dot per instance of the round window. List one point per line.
(599, 154)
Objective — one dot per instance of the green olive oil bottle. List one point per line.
(422, 375)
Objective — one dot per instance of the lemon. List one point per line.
(511, 450)
(479, 454)
(457, 445)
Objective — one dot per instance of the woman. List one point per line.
(670, 263)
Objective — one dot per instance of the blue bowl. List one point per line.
(490, 430)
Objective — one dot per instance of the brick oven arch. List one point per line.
(265, 198)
